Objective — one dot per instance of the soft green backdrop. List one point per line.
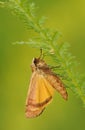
(68, 16)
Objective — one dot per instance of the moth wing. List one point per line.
(39, 95)
(55, 81)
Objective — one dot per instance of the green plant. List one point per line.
(47, 39)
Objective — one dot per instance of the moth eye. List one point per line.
(35, 61)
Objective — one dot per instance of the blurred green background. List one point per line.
(68, 16)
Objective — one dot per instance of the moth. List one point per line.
(42, 85)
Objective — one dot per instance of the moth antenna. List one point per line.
(42, 55)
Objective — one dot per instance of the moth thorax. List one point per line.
(40, 64)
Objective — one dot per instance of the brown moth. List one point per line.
(43, 83)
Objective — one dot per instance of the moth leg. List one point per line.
(64, 77)
(54, 67)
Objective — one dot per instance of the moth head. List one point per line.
(37, 63)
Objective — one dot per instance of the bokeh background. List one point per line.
(68, 16)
